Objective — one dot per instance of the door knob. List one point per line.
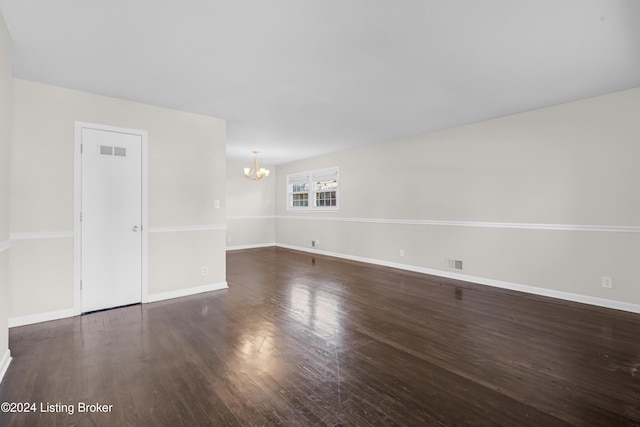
(135, 228)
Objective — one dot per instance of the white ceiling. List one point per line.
(299, 78)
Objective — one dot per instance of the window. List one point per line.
(299, 191)
(314, 190)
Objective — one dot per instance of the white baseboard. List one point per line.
(4, 363)
(40, 317)
(567, 296)
(257, 245)
(186, 292)
(62, 314)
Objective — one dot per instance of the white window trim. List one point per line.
(312, 193)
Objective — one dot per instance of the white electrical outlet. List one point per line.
(401, 252)
(607, 282)
(204, 270)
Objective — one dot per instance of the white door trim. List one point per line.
(77, 199)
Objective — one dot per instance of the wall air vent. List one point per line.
(113, 151)
(454, 264)
(106, 150)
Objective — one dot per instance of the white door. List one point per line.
(111, 219)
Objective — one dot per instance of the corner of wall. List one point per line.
(250, 208)
(6, 107)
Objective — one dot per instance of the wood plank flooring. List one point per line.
(307, 340)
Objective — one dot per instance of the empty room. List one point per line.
(320, 213)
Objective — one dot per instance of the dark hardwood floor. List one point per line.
(304, 340)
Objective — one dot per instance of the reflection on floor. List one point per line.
(307, 340)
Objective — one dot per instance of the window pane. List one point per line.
(326, 185)
(300, 188)
(326, 198)
(300, 200)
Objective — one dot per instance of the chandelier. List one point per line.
(257, 172)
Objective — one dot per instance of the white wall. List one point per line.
(6, 104)
(186, 173)
(250, 207)
(479, 193)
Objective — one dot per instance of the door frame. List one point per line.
(77, 204)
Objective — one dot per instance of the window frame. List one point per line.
(309, 177)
